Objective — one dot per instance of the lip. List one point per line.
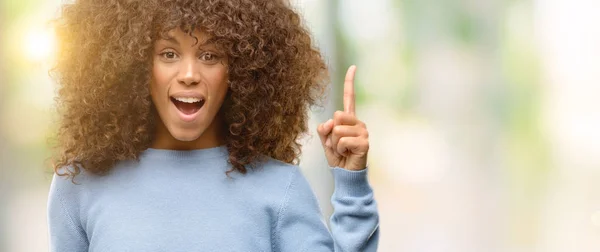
(188, 94)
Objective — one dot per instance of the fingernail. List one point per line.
(328, 142)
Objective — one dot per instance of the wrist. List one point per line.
(350, 183)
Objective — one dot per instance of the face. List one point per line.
(189, 84)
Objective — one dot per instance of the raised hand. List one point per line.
(345, 139)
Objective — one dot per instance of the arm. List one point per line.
(300, 226)
(66, 233)
(355, 220)
(345, 140)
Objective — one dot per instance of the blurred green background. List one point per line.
(483, 116)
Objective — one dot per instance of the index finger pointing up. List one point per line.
(349, 90)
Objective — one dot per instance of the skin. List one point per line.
(182, 65)
(345, 138)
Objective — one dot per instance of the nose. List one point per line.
(189, 72)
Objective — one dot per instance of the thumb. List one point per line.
(324, 130)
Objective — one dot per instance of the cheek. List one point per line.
(223, 80)
(218, 79)
(158, 81)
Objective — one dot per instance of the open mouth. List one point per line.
(188, 105)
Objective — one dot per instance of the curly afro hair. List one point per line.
(104, 69)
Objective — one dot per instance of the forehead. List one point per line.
(197, 38)
(178, 34)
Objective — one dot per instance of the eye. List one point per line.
(209, 57)
(168, 55)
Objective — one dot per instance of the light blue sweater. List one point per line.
(183, 201)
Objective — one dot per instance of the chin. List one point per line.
(187, 138)
(182, 135)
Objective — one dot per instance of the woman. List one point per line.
(179, 131)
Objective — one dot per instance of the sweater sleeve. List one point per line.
(66, 233)
(300, 225)
(355, 219)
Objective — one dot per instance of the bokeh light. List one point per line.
(39, 44)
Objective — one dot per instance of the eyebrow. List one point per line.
(171, 39)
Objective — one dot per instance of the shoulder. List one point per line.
(66, 193)
(279, 172)
(64, 183)
(74, 188)
(68, 189)
(291, 181)
(276, 167)
(275, 178)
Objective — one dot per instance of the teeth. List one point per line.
(187, 99)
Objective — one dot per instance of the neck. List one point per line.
(211, 137)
